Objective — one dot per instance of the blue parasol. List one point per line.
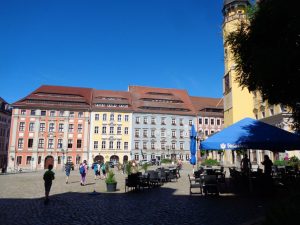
(193, 137)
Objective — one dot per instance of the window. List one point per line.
(173, 121)
(181, 146)
(52, 113)
(95, 144)
(263, 114)
(162, 145)
(152, 145)
(59, 143)
(144, 145)
(79, 143)
(103, 130)
(39, 160)
(145, 133)
(181, 134)
(119, 118)
(118, 144)
(50, 143)
(173, 133)
(32, 112)
(111, 145)
(271, 111)
(21, 126)
(79, 129)
(126, 130)
(163, 122)
(212, 132)
(30, 143)
(28, 160)
(96, 130)
(104, 117)
(58, 159)
(126, 118)
(119, 130)
(136, 145)
(163, 133)
(218, 122)
(153, 133)
(145, 120)
(71, 114)
(283, 108)
(153, 120)
(20, 143)
(137, 133)
(19, 160)
(181, 122)
(103, 146)
(70, 143)
(187, 157)
(71, 128)
(43, 113)
(136, 157)
(212, 121)
(111, 130)
(61, 113)
(112, 117)
(173, 145)
(23, 112)
(190, 122)
(41, 143)
(206, 121)
(80, 114)
(200, 120)
(51, 127)
(137, 120)
(61, 127)
(31, 127)
(125, 145)
(206, 132)
(96, 116)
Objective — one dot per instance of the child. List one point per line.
(68, 171)
(48, 177)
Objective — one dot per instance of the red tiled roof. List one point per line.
(165, 100)
(201, 103)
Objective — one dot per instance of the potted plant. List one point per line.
(111, 183)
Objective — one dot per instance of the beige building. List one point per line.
(5, 117)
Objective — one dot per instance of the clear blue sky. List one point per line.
(110, 44)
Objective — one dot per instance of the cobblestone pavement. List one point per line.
(21, 202)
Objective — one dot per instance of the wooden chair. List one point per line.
(195, 183)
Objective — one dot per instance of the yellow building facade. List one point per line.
(110, 136)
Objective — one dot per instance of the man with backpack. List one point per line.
(83, 171)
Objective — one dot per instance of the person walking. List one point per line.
(268, 166)
(245, 165)
(83, 171)
(95, 168)
(48, 177)
(68, 171)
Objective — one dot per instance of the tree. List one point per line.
(266, 50)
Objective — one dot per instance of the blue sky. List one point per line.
(110, 44)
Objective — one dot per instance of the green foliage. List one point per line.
(280, 163)
(145, 166)
(128, 168)
(110, 179)
(210, 162)
(294, 162)
(166, 161)
(266, 50)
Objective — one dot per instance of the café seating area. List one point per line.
(151, 178)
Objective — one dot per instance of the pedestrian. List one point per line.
(95, 168)
(48, 177)
(103, 168)
(83, 171)
(245, 165)
(68, 171)
(268, 165)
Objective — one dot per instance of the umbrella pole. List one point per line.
(250, 181)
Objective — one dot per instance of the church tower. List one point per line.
(238, 102)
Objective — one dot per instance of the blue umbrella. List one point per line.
(193, 145)
(252, 134)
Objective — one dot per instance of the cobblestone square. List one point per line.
(21, 202)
